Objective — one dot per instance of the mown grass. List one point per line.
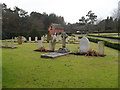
(24, 68)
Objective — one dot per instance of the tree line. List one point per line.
(90, 24)
(18, 22)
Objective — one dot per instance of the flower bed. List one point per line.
(42, 49)
(89, 53)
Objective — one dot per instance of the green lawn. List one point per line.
(23, 68)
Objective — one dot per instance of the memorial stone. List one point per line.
(101, 47)
(84, 45)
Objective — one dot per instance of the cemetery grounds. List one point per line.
(24, 68)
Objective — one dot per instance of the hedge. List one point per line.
(105, 36)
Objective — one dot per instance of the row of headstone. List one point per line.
(57, 37)
(36, 39)
(52, 42)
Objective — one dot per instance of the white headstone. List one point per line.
(66, 39)
(101, 47)
(39, 43)
(84, 45)
(36, 38)
(42, 38)
(29, 38)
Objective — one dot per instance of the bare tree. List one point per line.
(115, 13)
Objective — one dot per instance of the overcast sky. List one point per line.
(71, 10)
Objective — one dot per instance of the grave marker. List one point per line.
(29, 39)
(39, 43)
(63, 49)
(36, 39)
(52, 44)
(84, 45)
(101, 47)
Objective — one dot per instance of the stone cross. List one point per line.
(36, 38)
(64, 36)
(101, 47)
(84, 45)
(39, 43)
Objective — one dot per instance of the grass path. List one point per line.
(23, 68)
